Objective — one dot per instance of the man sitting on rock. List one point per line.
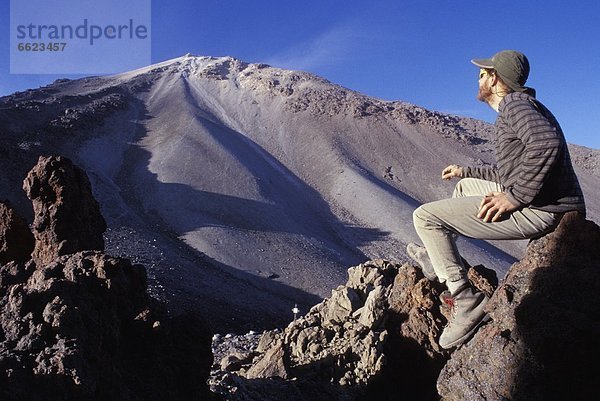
(523, 196)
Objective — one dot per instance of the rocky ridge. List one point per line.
(381, 327)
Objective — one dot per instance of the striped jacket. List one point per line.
(533, 161)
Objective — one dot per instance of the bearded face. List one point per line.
(485, 89)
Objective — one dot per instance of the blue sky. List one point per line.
(416, 51)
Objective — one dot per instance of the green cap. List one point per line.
(512, 66)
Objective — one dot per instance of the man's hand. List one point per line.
(451, 171)
(494, 206)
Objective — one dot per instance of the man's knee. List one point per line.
(421, 216)
(418, 216)
(419, 212)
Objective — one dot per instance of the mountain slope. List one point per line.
(246, 188)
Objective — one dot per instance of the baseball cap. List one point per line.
(512, 66)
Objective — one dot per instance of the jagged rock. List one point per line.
(16, 239)
(414, 321)
(371, 314)
(342, 303)
(272, 364)
(329, 346)
(344, 348)
(67, 217)
(417, 310)
(236, 360)
(413, 358)
(483, 278)
(542, 342)
(12, 273)
(266, 340)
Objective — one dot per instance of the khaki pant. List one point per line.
(438, 223)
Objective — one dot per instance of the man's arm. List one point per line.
(483, 173)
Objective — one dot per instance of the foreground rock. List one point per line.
(542, 342)
(77, 324)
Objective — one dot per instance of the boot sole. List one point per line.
(459, 341)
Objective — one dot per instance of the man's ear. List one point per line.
(495, 79)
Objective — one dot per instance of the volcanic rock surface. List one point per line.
(76, 324)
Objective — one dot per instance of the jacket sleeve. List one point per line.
(484, 173)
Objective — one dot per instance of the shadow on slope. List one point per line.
(293, 205)
(288, 205)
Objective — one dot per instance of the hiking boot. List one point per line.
(466, 314)
(419, 255)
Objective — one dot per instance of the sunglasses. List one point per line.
(483, 73)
